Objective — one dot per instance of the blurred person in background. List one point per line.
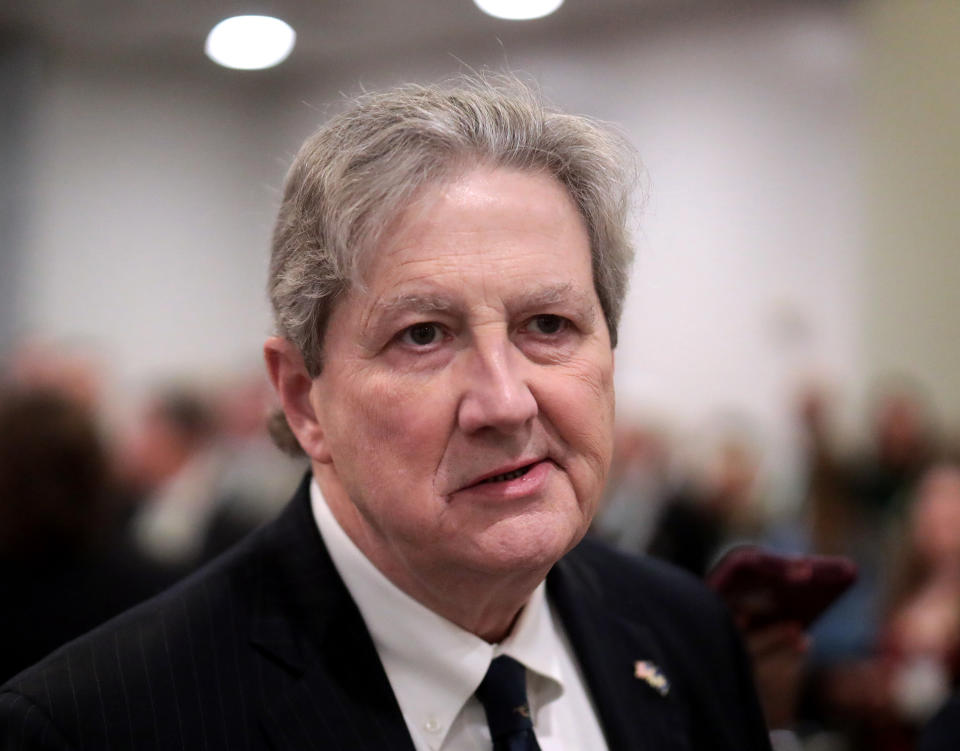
(920, 641)
(638, 486)
(855, 506)
(904, 439)
(200, 472)
(717, 506)
(70, 368)
(880, 695)
(170, 466)
(833, 520)
(61, 572)
(256, 478)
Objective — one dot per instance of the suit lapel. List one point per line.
(337, 695)
(637, 713)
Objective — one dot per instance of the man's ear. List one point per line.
(293, 384)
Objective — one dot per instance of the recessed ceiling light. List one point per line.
(518, 10)
(250, 42)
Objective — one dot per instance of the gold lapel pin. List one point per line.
(649, 673)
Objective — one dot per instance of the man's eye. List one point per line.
(547, 324)
(421, 334)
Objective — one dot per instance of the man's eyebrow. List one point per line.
(417, 303)
(562, 292)
(553, 294)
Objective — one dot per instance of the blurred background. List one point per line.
(788, 356)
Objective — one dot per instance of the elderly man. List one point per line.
(448, 270)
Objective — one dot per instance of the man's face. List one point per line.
(466, 397)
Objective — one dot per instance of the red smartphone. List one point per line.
(763, 588)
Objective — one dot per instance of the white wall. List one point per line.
(149, 220)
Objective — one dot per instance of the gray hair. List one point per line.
(359, 172)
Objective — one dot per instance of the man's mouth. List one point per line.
(512, 475)
(506, 474)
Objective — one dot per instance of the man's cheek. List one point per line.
(398, 417)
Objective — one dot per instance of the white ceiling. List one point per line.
(329, 31)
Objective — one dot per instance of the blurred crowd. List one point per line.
(886, 655)
(98, 513)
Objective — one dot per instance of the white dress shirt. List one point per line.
(434, 666)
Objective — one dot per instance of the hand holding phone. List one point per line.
(763, 588)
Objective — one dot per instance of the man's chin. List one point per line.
(522, 549)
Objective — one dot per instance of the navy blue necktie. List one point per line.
(503, 694)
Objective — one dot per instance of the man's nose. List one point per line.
(496, 393)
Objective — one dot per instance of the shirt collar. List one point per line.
(433, 665)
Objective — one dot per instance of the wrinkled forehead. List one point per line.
(422, 205)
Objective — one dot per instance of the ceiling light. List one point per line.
(250, 42)
(518, 10)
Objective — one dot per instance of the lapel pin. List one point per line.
(649, 673)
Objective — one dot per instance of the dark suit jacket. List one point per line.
(48, 602)
(264, 648)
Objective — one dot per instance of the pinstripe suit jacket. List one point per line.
(264, 648)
